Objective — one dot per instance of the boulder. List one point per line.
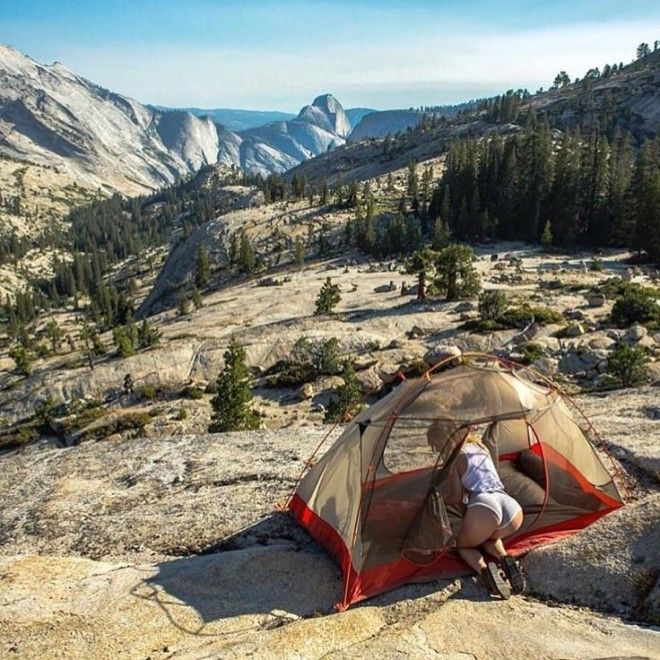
(370, 381)
(574, 315)
(601, 342)
(465, 306)
(654, 373)
(547, 366)
(571, 363)
(441, 352)
(634, 333)
(612, 565)
(647, 342)
(596, 299)
(574, 330)
(305, 391)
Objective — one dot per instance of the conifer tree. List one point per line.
(422, 264)
(328, 298)
(456, 277)
(202, 267)
(299, 253)
(231, 403)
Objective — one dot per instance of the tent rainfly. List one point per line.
(364, 500)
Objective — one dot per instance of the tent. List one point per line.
(367, 499)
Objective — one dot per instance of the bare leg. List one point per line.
(478, 525)
(495, 548)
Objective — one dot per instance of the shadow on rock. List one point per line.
(252, 580)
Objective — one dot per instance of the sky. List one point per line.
(279, 55)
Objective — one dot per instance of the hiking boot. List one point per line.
(514, 573)
(493, 580)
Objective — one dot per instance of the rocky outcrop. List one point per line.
(279, 146)
(612, 565)
(384, 123)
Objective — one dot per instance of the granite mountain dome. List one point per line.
(50, 116)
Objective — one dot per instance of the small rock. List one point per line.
(635, 333)
(370, 381)
(596, 299)
(574, 330)
(305, 391)
(465, 306)
(395, 343)
(574, 315)
(415, 332)
(647, 342)
(434, 355)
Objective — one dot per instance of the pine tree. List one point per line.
(422, 264)
(148, 335)
(246, 257)
(231, 403)
(202, 267)
(299, 253)
(456, 276)
(328, 298)
(54, 334)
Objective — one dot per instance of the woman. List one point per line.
(491, 516)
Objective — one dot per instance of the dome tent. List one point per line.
(367, 499)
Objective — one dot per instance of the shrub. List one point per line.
(192, 392)
(328, 298)
(627, 365)
(349, 396)
(181, 414)
(636, 305)
(146, 391)
(22, 359)
(492, 305)
(531, 353)
(596, 264)
(309, 360)
(521, 316)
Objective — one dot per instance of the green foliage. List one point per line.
(531, 353)
(328, 298)
(197, 300)
(231, 404)
(421, 263)
(146, 391)
(637, 305)
(309, 360)
(299, 249)
(22, 359)
(54, 334)
(515, 317)
(349, 396)
(202, 267)
(126, 340)
(181, 414)
(247, 260)
(492, 305)
(192, 392)
(148, 335)
(596, 264)
(456, 277)
(627, 365)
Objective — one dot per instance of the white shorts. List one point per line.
(501, 504)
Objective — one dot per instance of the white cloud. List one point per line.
(464, 62)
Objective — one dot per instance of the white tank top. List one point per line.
(480, 475)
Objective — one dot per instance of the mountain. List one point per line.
(382, 123)
(234, 120)
(279, 146)
(355, 115)
(51, 117)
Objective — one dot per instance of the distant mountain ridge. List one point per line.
(51, 117)
(234, 119)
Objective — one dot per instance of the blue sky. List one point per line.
(263, 54)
